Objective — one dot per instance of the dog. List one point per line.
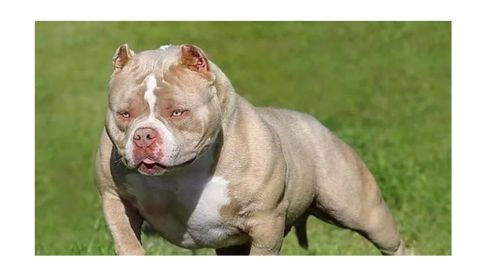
(206, 169)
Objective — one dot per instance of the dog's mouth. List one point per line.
(151, 167)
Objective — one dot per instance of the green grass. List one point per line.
(383, 87)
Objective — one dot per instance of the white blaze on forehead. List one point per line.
(165, 47)
(150, 92)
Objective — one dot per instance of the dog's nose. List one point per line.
(144, 137)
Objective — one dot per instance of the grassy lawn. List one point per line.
(384, 88)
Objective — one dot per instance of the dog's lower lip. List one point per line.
(151, 163)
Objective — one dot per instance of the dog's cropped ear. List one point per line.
(122, 55)
(196, 60)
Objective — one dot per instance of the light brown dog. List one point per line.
(205, 168)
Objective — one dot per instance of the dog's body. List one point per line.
(205, 168)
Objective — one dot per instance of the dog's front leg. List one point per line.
(125, 224)
(266, 232)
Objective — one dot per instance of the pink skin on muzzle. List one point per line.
(147, 150)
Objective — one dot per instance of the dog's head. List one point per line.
(163, 107)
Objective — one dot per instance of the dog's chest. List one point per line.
(184, 208)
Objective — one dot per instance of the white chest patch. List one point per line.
(207, 211)
(185, 209)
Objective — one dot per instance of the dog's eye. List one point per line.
(178, 113)
(125, 115)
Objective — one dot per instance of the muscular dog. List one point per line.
(181, 150)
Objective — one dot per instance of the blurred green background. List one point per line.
(383, 87)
